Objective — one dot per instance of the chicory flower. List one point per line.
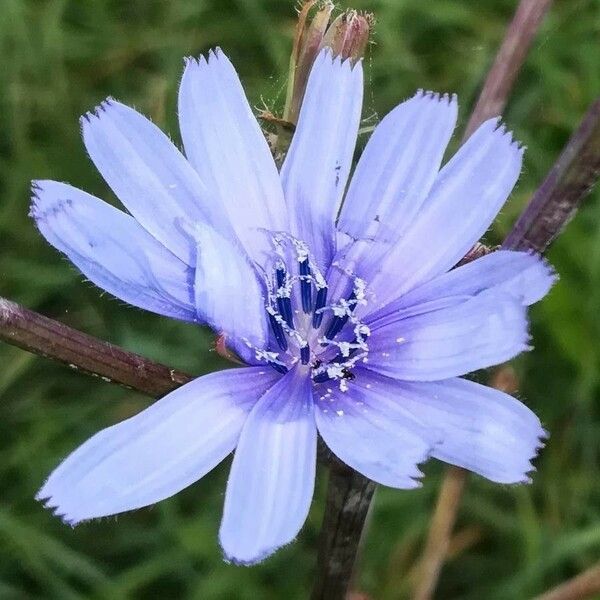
(350, 318)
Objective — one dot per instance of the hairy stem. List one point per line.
(38, 334)
(568, 183)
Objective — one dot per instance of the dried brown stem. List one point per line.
(508, 62)
(440, 532)
(585, 585)
(38, 334)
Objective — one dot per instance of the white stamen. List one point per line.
(335, 371)
(267, 356)
(360, 289)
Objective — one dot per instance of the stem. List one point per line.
(440, 531)
(348, 499)
(568, 183)
(508, 62)
(38, 334)
(585, 585)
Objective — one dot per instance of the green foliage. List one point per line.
(59, 58)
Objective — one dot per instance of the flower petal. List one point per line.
(149, 175)
(227, 290)
(369, 430)
(398, 167)
(225, 145)
(466, 196)
(158, 452)
(483, 430)
(273, 473)
(318, 162)
(527, 277)
(461, 337)
(113, 250)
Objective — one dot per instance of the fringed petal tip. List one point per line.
(527, 477)
(43, 207)
(538, 444)
(446, 97)
(415, 476)
(34, 208)
(193, 62)
(497, 127)
(550, 272)
(527, 347)
(96, 112)
(48, 501)
(36, 187)
(415, 479)
(37, 210)
(207, 58)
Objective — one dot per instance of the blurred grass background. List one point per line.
(59, 58)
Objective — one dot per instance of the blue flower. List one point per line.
(350, 318)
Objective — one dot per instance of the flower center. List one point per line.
(328, 338)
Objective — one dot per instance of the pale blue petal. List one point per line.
(465, 198)
(227, 290)
(527, 277)
(158, 452)
(318, 162)
(113, 251)
(371, 432)
(226, 146)
(150, 176)
(272, 477)
(483, 430)
(453, 340)
(398, 167)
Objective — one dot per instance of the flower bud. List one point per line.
(347, 36)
